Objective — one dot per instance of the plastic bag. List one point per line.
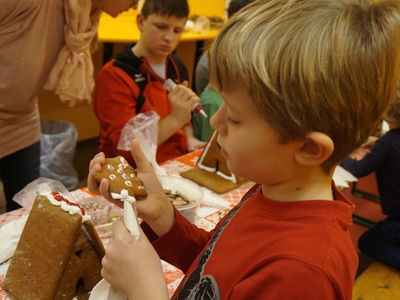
(27, 195)
(144, 128)
(58, 143)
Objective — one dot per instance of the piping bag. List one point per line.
(103, 290)
(169, 85)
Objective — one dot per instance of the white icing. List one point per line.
(227, 177)
(231, 178)
(124, 196)
(71, 209)
(128, 183)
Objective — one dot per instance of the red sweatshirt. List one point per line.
(115, 100)
(266, 249)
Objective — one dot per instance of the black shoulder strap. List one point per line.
(137, 76)
(141, 99)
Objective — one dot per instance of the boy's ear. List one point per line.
(139, 22)
(316, 149)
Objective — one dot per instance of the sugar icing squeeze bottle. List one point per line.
(169, 85)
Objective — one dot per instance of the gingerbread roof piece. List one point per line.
(58, 256)
(212, 170)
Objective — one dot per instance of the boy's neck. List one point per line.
(315, 185)
(140, 51)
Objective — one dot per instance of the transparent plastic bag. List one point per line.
(27, 195)
(57, 150)
(144, 128)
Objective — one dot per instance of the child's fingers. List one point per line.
(104, 189)
(121, 233)
(99, 158)
(140, 159)
(93, 186)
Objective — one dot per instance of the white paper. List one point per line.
(341, 177)
(9, 237)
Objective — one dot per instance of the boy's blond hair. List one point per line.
(313, 65)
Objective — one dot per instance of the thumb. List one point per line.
(185, 83)
(143, 165)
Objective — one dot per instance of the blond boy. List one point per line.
(304, 83)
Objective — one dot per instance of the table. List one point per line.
(208, 216)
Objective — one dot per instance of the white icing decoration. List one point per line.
(128, 183)
(230, 178)
(124, 196)
(71, 209)
(122, 160)
(120, 171)
(133, 175)
(125, 176)
(112, 176)
(122, 166)
(110, 167)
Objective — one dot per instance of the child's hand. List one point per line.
(182, 100)
(369, 142)
(133, 266)
(194, 143)
(94, 167)
(156, 210)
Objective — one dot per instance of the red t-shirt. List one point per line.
(267, 250)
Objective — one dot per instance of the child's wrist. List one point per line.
(165, 219)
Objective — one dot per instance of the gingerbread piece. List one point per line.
(212, 170)
(58, 256)
(121, 176)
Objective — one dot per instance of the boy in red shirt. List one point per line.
(123, 89)
(304, 83)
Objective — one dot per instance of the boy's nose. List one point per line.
(217, 120)
(168, 36)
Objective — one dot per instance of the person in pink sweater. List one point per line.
(31, 37)
(304, 83)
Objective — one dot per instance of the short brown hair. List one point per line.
(313, 65)
(170, 8)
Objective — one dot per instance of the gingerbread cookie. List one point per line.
(121, 176)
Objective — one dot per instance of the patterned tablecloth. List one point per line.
(207, 217)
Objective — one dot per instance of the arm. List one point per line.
(369, 163)
(158, 213)
(192, 141)
(182, 99)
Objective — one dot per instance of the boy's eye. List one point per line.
(229, 120)
(178, 30)
(159, 26)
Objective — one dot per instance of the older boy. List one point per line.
(124, 89)
(295, 105)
